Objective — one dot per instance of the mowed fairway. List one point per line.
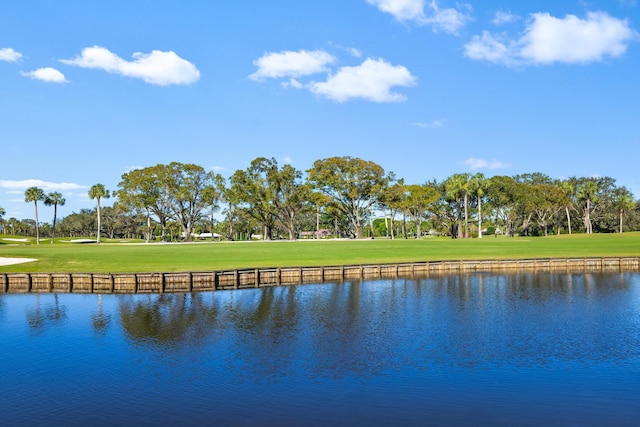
(157, 257)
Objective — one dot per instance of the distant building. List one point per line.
(323, 233)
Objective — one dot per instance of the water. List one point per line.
(479, 349)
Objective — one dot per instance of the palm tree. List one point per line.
(34, 194)
(98, 191)
(624, 202)
(568, 189)
(2, 212)
(54, 199)
(457, 188)
(588, 194)
(479, 187)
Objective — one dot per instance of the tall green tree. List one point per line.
(214, 194)
(98, 192)
(587, 194)
(272, 195)
(35, 194)
(54, 199)
(147, 189)
(623, 202)
(251, 192)
(292, 198)
(418, 203)
(568, 189)
(355, 185)
(187, 187)
(548, 200)
(456, 192)
(392, 197)
(503, 195)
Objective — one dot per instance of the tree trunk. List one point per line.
(35, 203)
(479, 217)
(587, 217)
(566, 208)
(459, 225)
(386, 224)
(148, 226)
(99, 224)
(466, 216)
(621, 220)
(53, 229)
(393, 234)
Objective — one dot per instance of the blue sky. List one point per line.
(90, 90)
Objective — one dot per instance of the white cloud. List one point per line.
(372, 80)
(47, 74)
(502, 18)
(448, 19)
(493, 48)
(287, 160)
(217, 168)
(291, 64)
(547, 40)
(294, 83)
(402, 10)
(45, 185)
(9, 55)
(475, 163)
(156, 68)
(430, 125)
(356, 53)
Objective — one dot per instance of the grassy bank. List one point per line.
(112, 257)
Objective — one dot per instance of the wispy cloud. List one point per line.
(291, 64)
(548, 40)
(448, 20)
(475, 164)
(287, 160)
(503, 17)
(7, 54)
(372, 80)
(356, 53)
(430, 125)
(47, 74)
(45, 185)
(156, 68)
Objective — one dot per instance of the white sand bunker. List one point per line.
(10, 261)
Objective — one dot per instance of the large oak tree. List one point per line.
(354, 185)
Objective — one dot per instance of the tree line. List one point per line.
(337, 197)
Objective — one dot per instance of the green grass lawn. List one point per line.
(125, 257)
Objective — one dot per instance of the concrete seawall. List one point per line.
(131, 283)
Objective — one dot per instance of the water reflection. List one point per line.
(100, 320)
(461, 349)
(359, 328)
(48, 315)
(167, 320)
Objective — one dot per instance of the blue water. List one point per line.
(479, 349)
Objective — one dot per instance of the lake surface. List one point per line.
(478, 349)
